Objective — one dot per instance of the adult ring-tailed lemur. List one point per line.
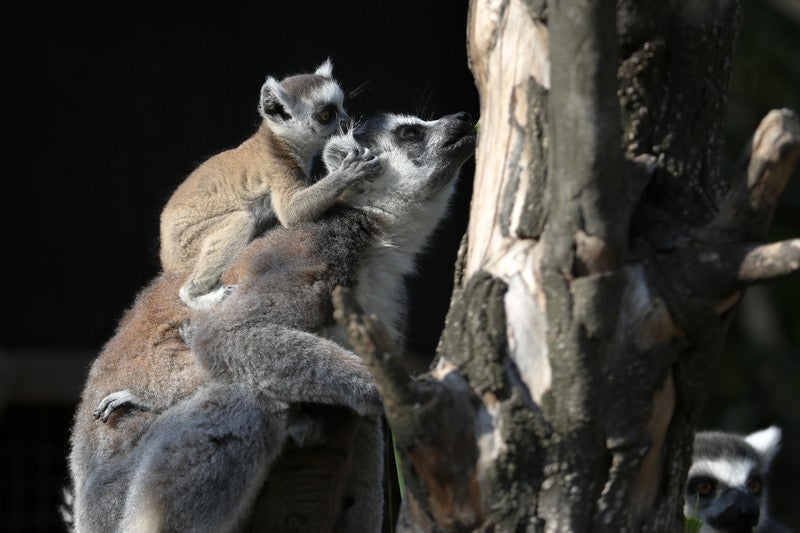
(185, 438)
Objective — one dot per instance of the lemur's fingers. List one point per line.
(351, 156)
(372, 168)
(114, 401)
(367, 156)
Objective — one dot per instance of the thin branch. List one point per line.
(769, 262)
(762, 173)
(432, 422)
(720, 272)
(371, 340)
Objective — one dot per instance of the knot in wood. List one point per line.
(593, 255)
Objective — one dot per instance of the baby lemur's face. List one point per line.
(420, 158)
(305, 109)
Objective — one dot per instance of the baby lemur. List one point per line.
(234, 195)
(185, 439)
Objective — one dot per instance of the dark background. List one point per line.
(106, 108)
(110, 112)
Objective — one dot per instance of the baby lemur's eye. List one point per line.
(409, 132)
(325, 115)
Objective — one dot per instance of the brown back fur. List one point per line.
(260, 169)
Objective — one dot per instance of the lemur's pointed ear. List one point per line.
(275, 102)
(766, 442)
(337, 148)
(325, 69)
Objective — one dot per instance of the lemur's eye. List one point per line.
(754, 485)
(409, 132)
(325, 115)
(704, 488)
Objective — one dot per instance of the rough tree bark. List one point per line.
(594, 287)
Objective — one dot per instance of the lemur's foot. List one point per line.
(208, 300)
(305, 431)
(117, 400)
(186, 331)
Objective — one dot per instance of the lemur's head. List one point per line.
(727, 483)
(420, 160)
(304, 109)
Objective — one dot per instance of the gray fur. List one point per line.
(193, 459)
(727, 484)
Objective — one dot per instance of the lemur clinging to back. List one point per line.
(187, 438)
(234, 195)
(726, 487)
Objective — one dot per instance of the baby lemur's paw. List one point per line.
(208, 300)
(118, 400)
(362, 165)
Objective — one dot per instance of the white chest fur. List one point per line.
(381, 290)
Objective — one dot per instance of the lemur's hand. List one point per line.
(117, 400)
(369, 402)
(361, 165)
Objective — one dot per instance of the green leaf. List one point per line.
(693, 525)
(400, 480)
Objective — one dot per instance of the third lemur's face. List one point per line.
(725, 487)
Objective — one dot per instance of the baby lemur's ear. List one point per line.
(337, 148)
(325, 69)
(275, 101)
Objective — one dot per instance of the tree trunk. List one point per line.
(604, 255)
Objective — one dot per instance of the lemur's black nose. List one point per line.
(464, 116)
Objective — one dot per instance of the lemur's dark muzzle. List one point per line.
(740, 514)
(457, 126)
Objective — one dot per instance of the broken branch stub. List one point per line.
(432, 421)
(762, 173)
(726, 256)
